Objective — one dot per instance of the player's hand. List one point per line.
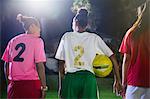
(43, 94)
(117, 88)
(123, 91)
(44, 89)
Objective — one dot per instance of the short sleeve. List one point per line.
(102, 47)
(60, 54)
(125, 45)
(39, 51)
(6, 54)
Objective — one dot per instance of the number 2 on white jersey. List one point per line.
(77, 61)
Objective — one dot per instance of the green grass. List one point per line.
(104, 84)
(105, 88)
(51, 95)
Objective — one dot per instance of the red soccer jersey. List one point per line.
(138, 73)
(23, 52)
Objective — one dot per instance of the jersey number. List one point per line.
(18, 58)
(77, 61)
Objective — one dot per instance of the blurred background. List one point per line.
(108, 18)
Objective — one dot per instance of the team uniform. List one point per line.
(138, 73)
(22, 53)
(78, 51)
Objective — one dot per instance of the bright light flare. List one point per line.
(48, 8)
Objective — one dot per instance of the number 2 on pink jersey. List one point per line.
(18, 58)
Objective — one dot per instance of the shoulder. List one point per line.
(96, 36)
(93, 34)
(125, 42)
(38, 40)
(127, 36)
(16, 38)
(66, 35)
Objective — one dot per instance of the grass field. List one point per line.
(104, 84)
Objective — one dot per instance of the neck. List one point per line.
(81, 30)
(33, 32)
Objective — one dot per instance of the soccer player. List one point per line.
(136, 61)
(76, 52)
(24, 57)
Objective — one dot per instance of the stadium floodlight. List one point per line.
(48, 8)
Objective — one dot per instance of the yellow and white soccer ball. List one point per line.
(102, 65)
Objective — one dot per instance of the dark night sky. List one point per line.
(112, 17)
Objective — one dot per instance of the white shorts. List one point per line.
(134, 92)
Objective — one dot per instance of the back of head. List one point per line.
(27, 21)
(82, 17)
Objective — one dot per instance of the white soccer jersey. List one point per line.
(79, 49)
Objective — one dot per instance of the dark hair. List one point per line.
(82, 17)
(27, 21)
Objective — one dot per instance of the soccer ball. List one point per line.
(102, 65)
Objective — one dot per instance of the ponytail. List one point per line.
(26, 21)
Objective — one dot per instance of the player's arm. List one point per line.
(100, 45)
(125, 64)
(116, 67)
(61, 65)
(117, 81)
(6, 70)
(61, 68)
(41, 72)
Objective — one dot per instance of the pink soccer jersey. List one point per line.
(23, 52)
